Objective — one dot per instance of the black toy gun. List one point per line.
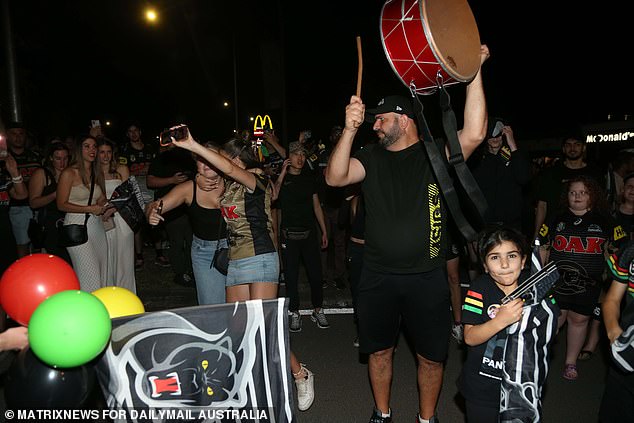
(532, 290)
(535, 287)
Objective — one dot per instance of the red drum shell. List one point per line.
(428, 42)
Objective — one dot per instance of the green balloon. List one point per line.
(68, 329)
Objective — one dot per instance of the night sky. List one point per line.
(550, 70)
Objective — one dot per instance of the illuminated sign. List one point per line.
(609, 132)
(609, 137)
(259, 126)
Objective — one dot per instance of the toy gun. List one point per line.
(532, 290)
(535, 288)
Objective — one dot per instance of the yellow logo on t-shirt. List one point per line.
(618, 232)
(543, 231)
(435, 220)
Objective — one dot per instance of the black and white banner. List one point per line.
(229, 357)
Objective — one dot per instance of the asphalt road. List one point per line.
(342, 389)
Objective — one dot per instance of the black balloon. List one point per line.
(31, 384)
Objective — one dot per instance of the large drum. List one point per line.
(430, 42)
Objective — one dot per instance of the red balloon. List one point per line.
(32, 279)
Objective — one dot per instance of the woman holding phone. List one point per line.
(246, 206)
(202, 198)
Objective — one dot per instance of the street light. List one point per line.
(150, 15)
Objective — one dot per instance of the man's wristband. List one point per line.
(17, 179)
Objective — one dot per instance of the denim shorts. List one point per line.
(260, 268)
(20, 216)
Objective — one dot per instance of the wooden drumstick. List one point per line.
(360, 68)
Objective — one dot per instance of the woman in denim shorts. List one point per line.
(246, 207)
(253, 261)
(202, 198)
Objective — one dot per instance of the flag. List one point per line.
(128, 201)
(527, 349)
(221, 357)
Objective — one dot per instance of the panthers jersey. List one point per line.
(577, 246)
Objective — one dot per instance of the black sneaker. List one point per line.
(378, 418)
(320, 318)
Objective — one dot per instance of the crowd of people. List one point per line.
(325, 204)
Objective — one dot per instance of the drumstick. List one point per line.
(360, 68)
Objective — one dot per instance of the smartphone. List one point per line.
(95, 123)
(175, 134)
(3, 147)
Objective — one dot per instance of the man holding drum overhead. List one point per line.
(404, 263)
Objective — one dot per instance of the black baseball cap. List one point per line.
(392, 103)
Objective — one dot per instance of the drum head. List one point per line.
(430, 42)
(452, 33)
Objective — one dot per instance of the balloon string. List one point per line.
(360, 68)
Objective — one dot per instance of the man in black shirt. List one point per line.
(405, 239)
(300, 206)
(171, 167)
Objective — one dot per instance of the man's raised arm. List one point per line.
(343, 170)
(475, 111)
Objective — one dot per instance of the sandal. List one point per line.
(585, 355)
(570, 372)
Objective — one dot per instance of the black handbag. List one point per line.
(220, 259)
(75, 234)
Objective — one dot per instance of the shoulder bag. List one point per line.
(220, 259)
(75, 234)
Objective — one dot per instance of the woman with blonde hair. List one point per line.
(119, 235)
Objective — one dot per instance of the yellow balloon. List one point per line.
(119, 301)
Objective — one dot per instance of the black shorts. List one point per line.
(583, 309)
(420, 300)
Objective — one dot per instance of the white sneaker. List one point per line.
(305, 390)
